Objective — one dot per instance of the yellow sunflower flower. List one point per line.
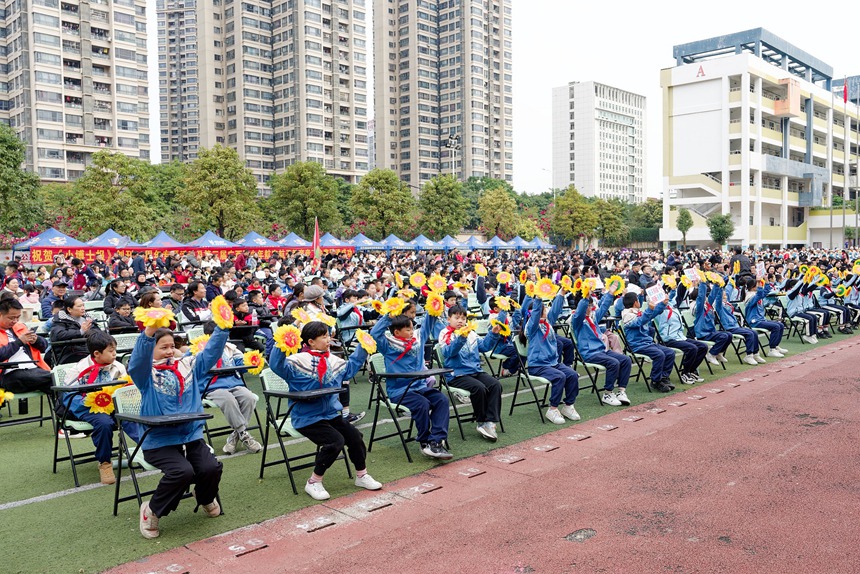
(504, 329)
(530, 288)
(503, 303)
(197, 344)
(435, 305)
(545, 289)
(615, 285)
(418, 280)
(466, 329)
(367, 342)
(504, 277)
(567, 283)
(288, 339)
(301, 316)
(5, 396)
(328, 320)
(255, 360)
(670, 280)
(437, 283)
(480, 270)
(101, 401)
(398, 280)
(523, 276)
(153, 317)
(406, 294)
(393, 306)
(222, 313)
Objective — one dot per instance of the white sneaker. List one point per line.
(711, 359)
(750, 360)
(781, 350)
(72, 434)
(230, 445)
(569, 412)
(485, 431)
(318, 491)
(250, 442)
(775, 353)
(809, 339)
(365, 481)
(621, 395)
(759, 359)
(688, 379)
(213, 509)
(609, 399)
(148, 522)
(554, 416)
(722, 358)
(697, 377)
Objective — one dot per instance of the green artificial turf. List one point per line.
(77, 533)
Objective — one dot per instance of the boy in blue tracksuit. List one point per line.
(173, 386)
(543, 360)
(674, 335)
(794, 290)
(504, 346)
(754, 313)
(705, 328)
(826, 301)
(726, 313)
(637, 329)
(463, 355)
(404, 353)
(321, 420)
(589, 336)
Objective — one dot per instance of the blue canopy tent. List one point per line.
(329, 240)
(110, 239)
(44, 246)
(211, 241)
(475, 243)
(497, 243)
(449, 243)
(364, 243)
(256, 241)
(519, 243)
(538, 243)
(294, 241)
(161, 241)
(394, 242)
(424, 243)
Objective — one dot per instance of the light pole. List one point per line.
(453, 145)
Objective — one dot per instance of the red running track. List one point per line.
(759, 474)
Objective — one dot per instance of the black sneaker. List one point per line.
(660, 387)
(668, 383)
(435, 450)
(353, 418)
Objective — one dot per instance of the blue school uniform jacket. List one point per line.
(637, 325)
(587, 341)
(401, 356)
(463, 354)
(542, 349)
(704, 320)
(669, 322)
(754, 308)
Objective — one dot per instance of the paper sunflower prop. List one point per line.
(503, 303)
(301, 316)
(523, 276)
(567, 283)
(530, 288)
(814, 270)
(406, 294)
(101, 401)
(480, 270)
(822, 280)
(254, 360)
(841, 290)
(197, 344)
(466, 329)
(377, 305)
(670, 280)
(577, 285)
(418, 280)
(462, 286)
(586, 289)
(326, 319)
(715, 278)
(393, 306)
(504, 330)
(685, 281)
(288, 338)
(435, 305)
(398, 280)
(5, 396)
(153, 317)
(545, 289)
(367, 342)
(856, 269)
(222, 313)
(437, 283)
(736, 268)
(805, 268)
(504, 277)
(615, 285)
(702, 276)
(536, 272)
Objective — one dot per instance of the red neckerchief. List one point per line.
(448, 334)
(732, 307)
(218, 365)
(175, 370)
(357, 311)
(593, 326)
(91, 372)
(545, 323)
(669, 307)
(322, 365)
(708, 307)
(407, 346)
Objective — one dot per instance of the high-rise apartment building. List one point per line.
(444, 88)
(73, 76)
(280, 81)
(598, 141)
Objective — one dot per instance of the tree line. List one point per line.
(216, 191)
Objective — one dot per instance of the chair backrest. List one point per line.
(194, 332)
(522, 348)
(472, 302)
(58, 374)
(437, 348)
(126, 341)
(377, 363)
(687, 316)
(97, 315)
(127, 400)
(272, 382)
(93, 305)
(483, 327)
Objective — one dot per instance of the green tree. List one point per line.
(684, 224)
(59, 206)
(442, 206)
(20, 208)
(383, 203)
(220, 193)
(305, 192)
(573, 216)
(498, 211)
(649, 213)
(344, 195)
(527, 228)
(721, 228)
(474, 188)
(610, 221)
(113, 193)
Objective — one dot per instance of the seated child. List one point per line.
(754, 311)
(404, 353)
(314, 368)
(672, 332)
(99, 367)
(173, 386)
(121, 319)
(463, 355)
(726, 313)
(245, 319)
(504, 346)
(232, 396)
(637, 328)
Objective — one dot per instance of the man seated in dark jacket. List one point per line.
(18, 344)
(58, 292)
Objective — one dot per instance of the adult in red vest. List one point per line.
(18, 344)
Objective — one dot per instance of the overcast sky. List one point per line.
(624, 44)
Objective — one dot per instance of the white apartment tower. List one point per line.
(74, 81)
(598, 141)
(444, 88)
(280, 81)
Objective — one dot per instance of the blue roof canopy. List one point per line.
(475, 243)
(49, 238)
(293, 240)
(109, 238)
(519, 243)
(329, 240)
(497, 243)
(394, 242)
(209, 239)
(256, 241)
(161, 241)
(422, 242)
(364, 243)
(449, 242)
